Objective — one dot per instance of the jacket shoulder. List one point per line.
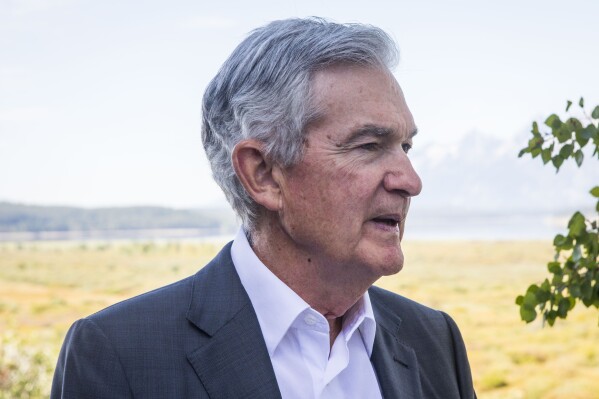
(159, 303)
(167, 303)
(402, 306)
(432, 335)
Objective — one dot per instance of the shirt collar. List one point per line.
(361, 317)
(277, 306)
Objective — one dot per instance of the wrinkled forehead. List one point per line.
(344, 90)
(334, 77)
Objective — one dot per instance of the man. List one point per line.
(307, 133)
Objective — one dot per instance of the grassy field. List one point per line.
(44, 287)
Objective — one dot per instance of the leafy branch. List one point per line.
(574, 270)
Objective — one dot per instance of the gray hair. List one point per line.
(262, 92)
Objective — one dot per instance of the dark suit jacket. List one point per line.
(200, 338)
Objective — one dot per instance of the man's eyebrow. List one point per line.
(368, 131)
(373, 131)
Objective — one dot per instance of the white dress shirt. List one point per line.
(297, 336)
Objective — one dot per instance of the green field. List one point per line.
(44, 287)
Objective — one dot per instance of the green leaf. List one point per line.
(557, 279)
(550, 316)
(562, 307)
(588, 132)
(566, 151)
(586, 290)
(530, 299)
(575, 291)
(543, 295)
(519, 300)
(579, 156)
(523, 151)
(569, 244)
(572, 302)
(576, 225)
(587, 302)
(553, 121)
(580, 139)
(558, 241)
(595, 113)
(581, 102)
(545, 286)
(546, 155)
(535, 129)
(595, 191)
(568, 105)
(574, 124)
(527, 314)
(557, 161)
(533, 288)
(562, 133)
(554, 267)
(535, 142)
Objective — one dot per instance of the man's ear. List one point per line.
(255, 172)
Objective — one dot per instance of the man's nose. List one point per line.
(402, 177)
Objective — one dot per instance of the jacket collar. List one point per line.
(231, 359)
(394, 362)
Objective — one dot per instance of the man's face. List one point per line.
(346, 202)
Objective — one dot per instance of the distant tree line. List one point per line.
(18, 217)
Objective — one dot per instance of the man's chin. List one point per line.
(388, 261)
(393, 269)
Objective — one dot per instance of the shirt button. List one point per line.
(310, 320)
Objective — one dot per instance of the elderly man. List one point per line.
(308, 134)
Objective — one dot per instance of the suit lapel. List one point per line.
(231, 360)
(395, 363)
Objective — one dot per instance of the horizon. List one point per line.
(447, 224)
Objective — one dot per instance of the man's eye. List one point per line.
(369, 146)
(406, 147)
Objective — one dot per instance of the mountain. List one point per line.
(481, 173)
(477, 187)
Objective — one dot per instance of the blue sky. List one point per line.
(100, 100)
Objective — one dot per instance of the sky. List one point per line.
(100, 100)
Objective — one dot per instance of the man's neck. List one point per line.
(328, 288)
(335, 326)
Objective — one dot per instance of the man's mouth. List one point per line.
(388, 220)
